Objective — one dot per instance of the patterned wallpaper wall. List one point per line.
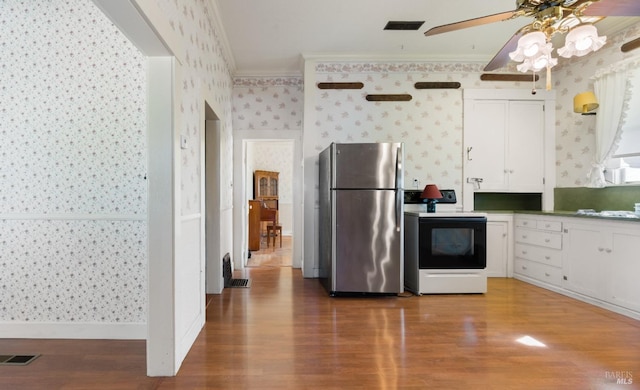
(205, 70)
(73, 198)
(269, 103)
(430, 125)
(575, 134)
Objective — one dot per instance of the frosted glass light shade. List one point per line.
(582, 40)
(531, 45)
(538, 63)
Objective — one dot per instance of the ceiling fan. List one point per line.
(550, 17)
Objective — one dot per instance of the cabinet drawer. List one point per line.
(540, 238)
(542, 272)
(526, 222)
(553, 226)
(543, 255)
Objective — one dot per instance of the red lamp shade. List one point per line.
(431, 191)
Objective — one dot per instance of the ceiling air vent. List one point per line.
(404, 25)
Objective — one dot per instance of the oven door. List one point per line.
(453, 243)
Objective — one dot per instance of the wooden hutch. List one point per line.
(265, 195)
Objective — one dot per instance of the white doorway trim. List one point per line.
(240, 178)
(142, 22)
(210, 198)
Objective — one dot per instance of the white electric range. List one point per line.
(445, 251)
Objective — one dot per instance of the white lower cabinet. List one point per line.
(602, 261)
(584, 260)
(595, 260)
(538, 249)
(498, 244)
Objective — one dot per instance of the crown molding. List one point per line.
(378, 57)
(224, 41)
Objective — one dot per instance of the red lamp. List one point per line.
(431, 193)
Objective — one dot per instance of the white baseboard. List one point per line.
(593, 301)
(72, 330)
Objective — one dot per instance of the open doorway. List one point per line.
(211, 200)
(273, 158)
(244, 165)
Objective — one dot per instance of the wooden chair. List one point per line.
(271, 217)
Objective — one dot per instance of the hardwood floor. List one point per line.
(285, 332)
(270, 256)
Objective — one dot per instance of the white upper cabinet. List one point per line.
(504, 142)
(509, 143)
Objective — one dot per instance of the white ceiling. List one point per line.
(269, 37)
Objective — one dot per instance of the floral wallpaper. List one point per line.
(73, 271)
(575, 134)
(73, 198)
(205, 70)
(429, 125)
(268, 103)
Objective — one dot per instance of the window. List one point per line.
(624, 165)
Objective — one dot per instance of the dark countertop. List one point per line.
(560, 213)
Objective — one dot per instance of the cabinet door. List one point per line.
(497, 249)
(485, 126)
(525, 146)
(583, 270)
(624, 263)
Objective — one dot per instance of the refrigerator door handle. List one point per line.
(399, 200)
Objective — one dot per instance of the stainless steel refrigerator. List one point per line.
(361, 218)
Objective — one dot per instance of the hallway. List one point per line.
(285, 332)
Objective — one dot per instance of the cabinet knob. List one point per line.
(600, 249)
(547, 274)
(608, 250)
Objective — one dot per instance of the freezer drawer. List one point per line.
(368, 242)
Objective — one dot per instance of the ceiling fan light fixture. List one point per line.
(581, 40)
(530, 45)
(537, 64)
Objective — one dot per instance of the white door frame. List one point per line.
(240, 210)
(149, 30)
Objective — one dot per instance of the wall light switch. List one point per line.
(183, 142)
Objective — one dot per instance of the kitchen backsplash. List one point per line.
(609, 198)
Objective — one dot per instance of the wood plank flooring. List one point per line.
(286, 333)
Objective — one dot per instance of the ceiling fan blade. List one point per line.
(502, 58)
(470, 23)
(613, 8)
